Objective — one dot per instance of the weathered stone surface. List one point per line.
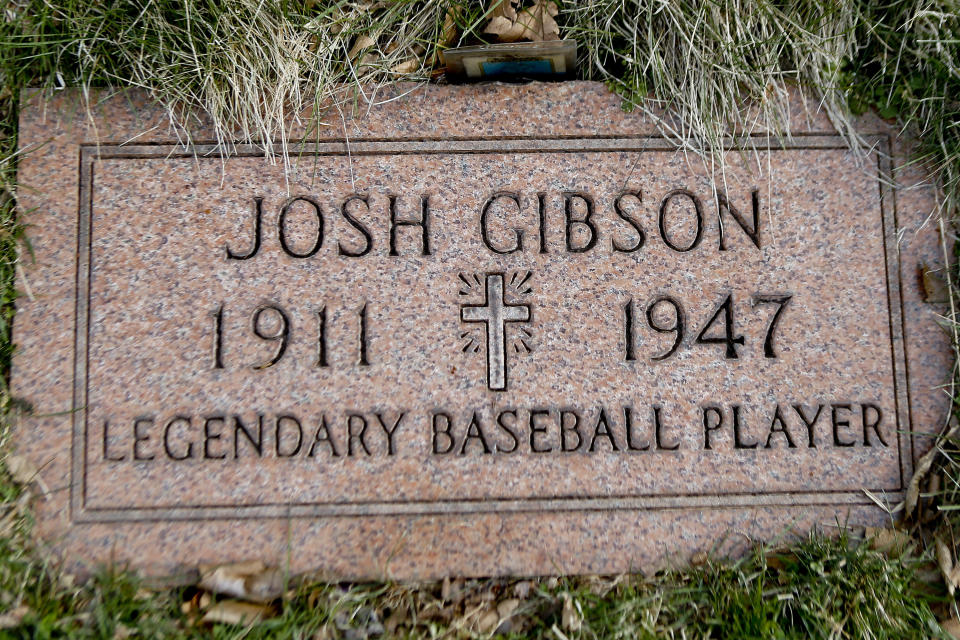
(479, 394)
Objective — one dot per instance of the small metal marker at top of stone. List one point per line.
(551, 60)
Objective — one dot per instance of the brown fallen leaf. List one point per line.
(453, 591)
(503, 9)
(250, 580)
(399, 617)
(448, 32)
(446, 589)
(954, 577)
(21, 469)
(407, 66)
(488, 622)
(604, 585)
(506, 608)
(934, 285)
(933, 491)
(8, 524)
(502, 27)
(486, 594)
(14, 515)
(540, 20)
(522, 589)
(886, 540)
(362, 42)
(14, 617)
(67, 581)
(535, 23)
(236, 612)
(945, 562)
(358, 9)
(951, 626)
(435, 611)
(326, 632)
(920, 472)
(25, 472)
(570, 619)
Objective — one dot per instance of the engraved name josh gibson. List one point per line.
(496, 311)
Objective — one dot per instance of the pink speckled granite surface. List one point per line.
(117, 343)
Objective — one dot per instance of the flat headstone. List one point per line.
(470, 330)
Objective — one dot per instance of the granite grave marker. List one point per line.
(477, 330)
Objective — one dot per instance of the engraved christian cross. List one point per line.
(495, 313)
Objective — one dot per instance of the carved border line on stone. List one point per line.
(90, 152)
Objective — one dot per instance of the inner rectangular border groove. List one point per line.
(89, 153)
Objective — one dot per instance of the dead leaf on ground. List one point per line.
(25, 472)
(951, 626)
(484, 594)
(449, 31)
(933, 284)
(453, 591)
(570, 618)
(535, 23)
(954, 577)
(14, 617)
(933, 486)
(920, 472)
(21, 469)
(358, 623)
(326, 632)
(362, 42)
(448, 34)
(488, 622)
(399, 617)
(13, 516)
(945, 562)
(888, 541)
(503, 9)
(251, 580)
(446, 589)
(435, 611)
(8, 524)
(781, 559)
(236, 612)
(67, 581)
(357, 10)
(407, 66)
(522, 589)
(506, 608)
